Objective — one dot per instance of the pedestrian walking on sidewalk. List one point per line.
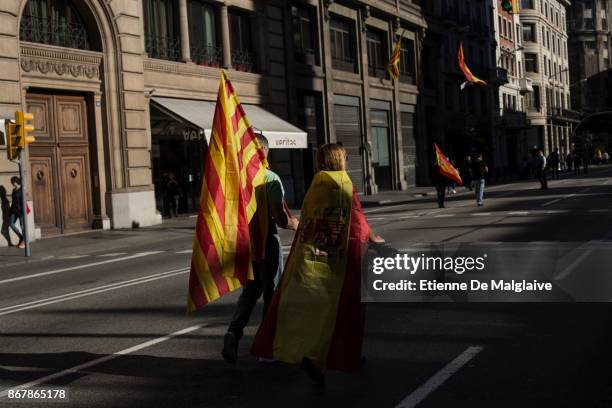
(466, 172)
(440, 183)
(577, 163)
(6, 215)
(553, 163)
(479, 172)
(569, 161)
(16, 211)
(540, 168)
(173, 195)
(268, 255)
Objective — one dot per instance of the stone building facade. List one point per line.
(546, 63)
(590, 46)
(122, 90)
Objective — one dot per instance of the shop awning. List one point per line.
(280, 133)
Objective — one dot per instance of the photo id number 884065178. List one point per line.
(38, 394)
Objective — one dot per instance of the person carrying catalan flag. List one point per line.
(268, 255)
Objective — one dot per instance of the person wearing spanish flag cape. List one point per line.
(316, 318)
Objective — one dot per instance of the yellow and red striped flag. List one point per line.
(447, 169)
(469, 77)
(394, 60)
(234, 165)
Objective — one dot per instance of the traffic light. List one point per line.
(23, 128)
(12, 148)
(511, 6)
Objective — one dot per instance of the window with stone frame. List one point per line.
(55, 22)
(203, 34)
(377, 53)
(241, 40)
(342, 44)
(304, 34)
(161, 25)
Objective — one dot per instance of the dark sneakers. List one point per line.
(230, 348)
(314, 372)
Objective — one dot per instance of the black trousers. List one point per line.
(441, 190)
(543, 181)
(264, 273)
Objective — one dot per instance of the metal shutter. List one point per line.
(348, 132)
(408, 146)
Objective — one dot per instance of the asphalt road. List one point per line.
(103, 314)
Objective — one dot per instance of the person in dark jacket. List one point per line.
(479, 172)
(173, 195)
(553, 161)
(466, 172)
(16, 211)
(540, 169)
(6, 215)
(440, 182)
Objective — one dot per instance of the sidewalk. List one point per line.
(413, 193)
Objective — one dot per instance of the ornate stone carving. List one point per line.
(60, 61)
(326, 5)
(364, 13)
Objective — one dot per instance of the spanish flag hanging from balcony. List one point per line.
(394, 60)
(447, 169)
(233, 166)
(470, 78)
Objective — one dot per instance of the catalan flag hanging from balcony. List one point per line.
(394, 60)
(470, 79)
(233, 166)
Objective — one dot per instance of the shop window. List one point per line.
(203, 38)
(241, 40)
(55, 22)
(162, 38)
(304, 31)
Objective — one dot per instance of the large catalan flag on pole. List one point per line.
(233, 166)
(447, 169)
(470, 78)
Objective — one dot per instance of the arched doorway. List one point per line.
(60, 95)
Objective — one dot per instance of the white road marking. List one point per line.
(482, 214)
(100, 360)
(193, 216)
(418, 395)
(111, 254)
(376, 218)
(599, 210)
(87, 292)
(551, 202)
(72, 257)
(570, 268)
(585, 190)
(607, 181)
(185, 251)
(444, 215)
(404, 217)
(518, 213)
(72, 268)
(557, 211)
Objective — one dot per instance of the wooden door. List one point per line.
(59, 163)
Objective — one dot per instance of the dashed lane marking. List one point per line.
(72, 257)
(482, 214)
(551, 202)
(518, 213)
(73, 268)
(599, 210)
(111, 254)
(186, 251)
(418, 395)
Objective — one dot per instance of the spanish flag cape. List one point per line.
(316, 312)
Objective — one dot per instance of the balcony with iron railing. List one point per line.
(344, 63)
(163, 48)
(243, 60)
(53, 32)
(210, 56)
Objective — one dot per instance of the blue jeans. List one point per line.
(480, 186)
(13, 226)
